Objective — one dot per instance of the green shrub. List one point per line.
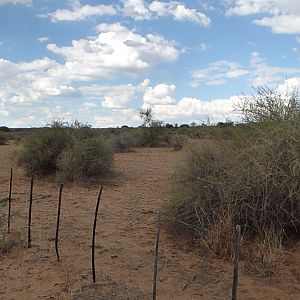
(251, 179)
(42, 149)
(123, 142)
(177, 141)
(86, 158)
(3, 138)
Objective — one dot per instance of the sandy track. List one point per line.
(125, 242)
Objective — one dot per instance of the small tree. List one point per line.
(153, 127)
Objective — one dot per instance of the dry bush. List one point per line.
(265, 256)
(3, 138)
(251, 179)
(123, 142)
(42, 149)
(86, 158)
(75, 150)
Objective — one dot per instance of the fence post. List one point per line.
(29, 213)
(57, 222)
(94, 235)
(9, 200)
(156, 257)
(236, 262)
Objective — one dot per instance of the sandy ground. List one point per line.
(125, 241)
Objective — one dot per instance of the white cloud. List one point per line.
(288, 24)
(194, 109)
(218, 73)
(284, 14)
(264, 75)
(179, 12)
(43, 39)
(115, 49)
(3, 110)
(289, 85)
(25, 2)
(117, 118)
(203, 47)
(28, 82)
(160, 94)
(136, 9)
(115, 96)
(258, 73)
(79, 13)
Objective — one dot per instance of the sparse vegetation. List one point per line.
(88, 157)
(3, 138)
(7, 241)
(75, 150)
(250, 178)
(152, 130)
(124, 141)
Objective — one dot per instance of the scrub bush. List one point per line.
(251, 179)
(88, 157)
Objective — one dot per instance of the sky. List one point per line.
(100, 62)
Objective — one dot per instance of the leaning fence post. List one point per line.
(9, 200)
(29, 213)
(156, 257)
(94, 235)
(236, 262)
(57, 222)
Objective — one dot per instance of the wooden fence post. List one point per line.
(156, 257)
(57, 222)
(236, 262)
(29, 213)
(9, 200)
(94, 235)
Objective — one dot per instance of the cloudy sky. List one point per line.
(101, 61)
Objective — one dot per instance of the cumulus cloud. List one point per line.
(136, 9)
(160, 94)
(289, 84)
(218, 73)
(79, 13)
(115, 49)
(284, 14)
(28, 82)
(258, 73)
(115, 96)
(25, 2)
(264, 75)
(117, 118)
(194, 109)
(179, 12)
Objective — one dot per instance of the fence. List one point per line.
(56, 240)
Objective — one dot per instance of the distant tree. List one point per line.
(154, 127)
(184, 126)
(4, 129)
(168, 125)
(147, 116)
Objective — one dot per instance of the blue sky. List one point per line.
(101, 61)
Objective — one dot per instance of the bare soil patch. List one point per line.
(125, 241)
